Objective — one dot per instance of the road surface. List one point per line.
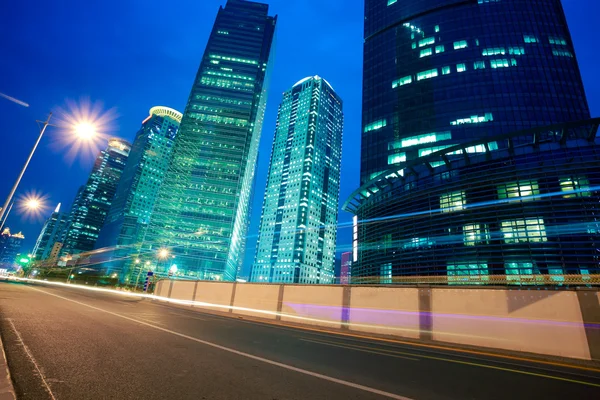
(64, 343)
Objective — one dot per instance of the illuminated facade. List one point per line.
(94, 199)
(10, 246)
(298, 227)
(144, 172)
(450, 82)
(52, 233)
(202, 212)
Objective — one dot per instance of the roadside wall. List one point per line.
(563, 323)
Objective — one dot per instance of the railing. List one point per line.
(488, 280)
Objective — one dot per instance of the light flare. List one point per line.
(33, 205)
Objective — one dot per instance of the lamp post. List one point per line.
(84, 131)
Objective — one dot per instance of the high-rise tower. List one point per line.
(201, 215)
(52, 233)
(468, 103)
(298, 227)
(94, 199)
(130, 211)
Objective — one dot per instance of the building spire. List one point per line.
(57, 208)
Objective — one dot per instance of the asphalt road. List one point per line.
(64, 343)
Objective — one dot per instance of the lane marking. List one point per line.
(237, 352)
(35, 364)
(364, 351)
(356, 347)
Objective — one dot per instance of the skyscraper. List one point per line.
(10, 246)
(52, 232)
(94, 199)
(457, 98)
(297, 236)
(144, 172)
(201, 214)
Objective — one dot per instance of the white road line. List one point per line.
(46, 385)
(240, 353)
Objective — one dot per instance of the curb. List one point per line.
(7, 391)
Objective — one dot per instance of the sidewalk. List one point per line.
(7, 391)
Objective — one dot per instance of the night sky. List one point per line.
(132, 55)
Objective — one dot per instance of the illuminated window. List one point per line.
(427, 151)
(524, 230)
(446, 70)
(402, 81)
(557, 40)
(426, 41)
(437, 28)
(562, 53)
(435, 164)
(579, 185)
(453, 201)
(390, 2)
(385, 276)
(474, 119)
(432, 73)
(457, 269)
(421, 139)
(414, 45)
(440, 49)
(476, 234)
(461, 67)
(518, 190)
(499, 63)
(479, 65)
(396, 158)
(374, 126)
(494, 51)
(530, 39)
(460, 44)
(416, 243)
(426, 52)
(516, 51)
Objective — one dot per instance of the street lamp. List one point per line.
(84, 130)
(30, 204)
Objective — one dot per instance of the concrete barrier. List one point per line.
(385, 311)
(220, 293)
(563, 323)
(540, 322)
(315, 305)
(257, 297)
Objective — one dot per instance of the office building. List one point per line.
(10, 246)
(144, 172)
(346, 268)
(476, 142)
(94, 199)
(52, 233)
(202, 212)
(298, 229)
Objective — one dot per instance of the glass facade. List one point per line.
(52, 233)
(10, 246)
(465, 69)
(93, 200)
(298, 228)
(202, 212)
(484, 107)
(129, 215)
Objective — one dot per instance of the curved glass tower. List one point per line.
(444, 72)
(476, 144)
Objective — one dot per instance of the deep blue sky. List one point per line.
(133, 54)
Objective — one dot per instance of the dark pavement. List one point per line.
(64, 343)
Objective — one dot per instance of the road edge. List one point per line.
(7, 390)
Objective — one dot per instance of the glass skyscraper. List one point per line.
(144, 172)
(52, 233)
(202, 213)
(94, 199)
(298, 228)
(458, 98)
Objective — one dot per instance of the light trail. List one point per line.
(17, 101)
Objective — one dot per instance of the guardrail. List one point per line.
(493, 280)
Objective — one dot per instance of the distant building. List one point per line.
(297, 236)
(144, 172)
(52, 232)
(202, 212)
(93, 200)
(10, 247)
(346, 269)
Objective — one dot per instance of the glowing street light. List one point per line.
(83, 121)
(163, 253)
